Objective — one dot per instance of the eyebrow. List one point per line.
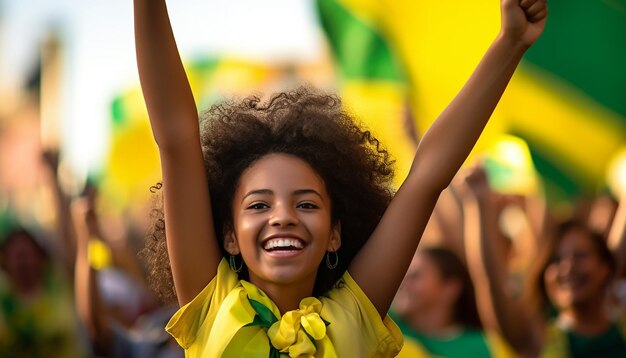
(269, 192)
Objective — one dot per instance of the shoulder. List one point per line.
(198, 315)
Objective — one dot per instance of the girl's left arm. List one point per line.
(382, 263)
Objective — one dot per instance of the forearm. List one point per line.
(484, 265)
(485, 257)
(88, 303)
(165, 87)
(449, 140)
(64, 227)
(617, 237)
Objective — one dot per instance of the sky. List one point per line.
(99, 58)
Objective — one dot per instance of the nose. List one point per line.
(283, 215)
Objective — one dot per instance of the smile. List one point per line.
(281, 244)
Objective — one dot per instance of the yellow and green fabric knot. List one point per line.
(298, 333)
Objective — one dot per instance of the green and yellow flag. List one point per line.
(567, 101)
(133, 163)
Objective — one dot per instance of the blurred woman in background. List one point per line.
(37, 316)
(566, 310)
(435, 308)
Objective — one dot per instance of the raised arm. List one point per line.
(193, 250)
(65, 231)
(88, 300)
(383, 261)
(617, 237)
(485, 260)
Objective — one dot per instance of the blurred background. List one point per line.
(68, 81)
(72, 116)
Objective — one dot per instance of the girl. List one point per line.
(287, 206)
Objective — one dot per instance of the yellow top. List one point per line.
(233, 318)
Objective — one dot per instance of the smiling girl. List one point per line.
(280, 230)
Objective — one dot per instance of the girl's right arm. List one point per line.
(192, 247)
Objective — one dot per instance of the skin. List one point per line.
(576, 281)
(281, 196)
(497, 309)
(192, 245)
(576, 275)
(617, 236)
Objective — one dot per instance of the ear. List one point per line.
(335, 238)
(231, 245)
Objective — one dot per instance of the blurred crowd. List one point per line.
(71, 281)
(497, 274)
(73, 292)
(505, 275)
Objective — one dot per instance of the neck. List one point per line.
(586, 319)
(434, 321)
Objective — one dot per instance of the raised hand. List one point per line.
(523, 20)
(475, 182)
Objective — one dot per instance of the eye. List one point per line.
(257, 206)
(307, 206)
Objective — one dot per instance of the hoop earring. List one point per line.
(233, 264)
(330, 265)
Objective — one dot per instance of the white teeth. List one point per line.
(282, 243)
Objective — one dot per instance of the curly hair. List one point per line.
(310, 125)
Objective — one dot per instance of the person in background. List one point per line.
(435, 308)
(117, 327)
(565, 311)
(37, 316)
(37, 313)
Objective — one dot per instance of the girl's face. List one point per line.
(422, 287)
(282, 221)
(576, 274)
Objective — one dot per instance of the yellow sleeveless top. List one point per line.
(233, 318)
